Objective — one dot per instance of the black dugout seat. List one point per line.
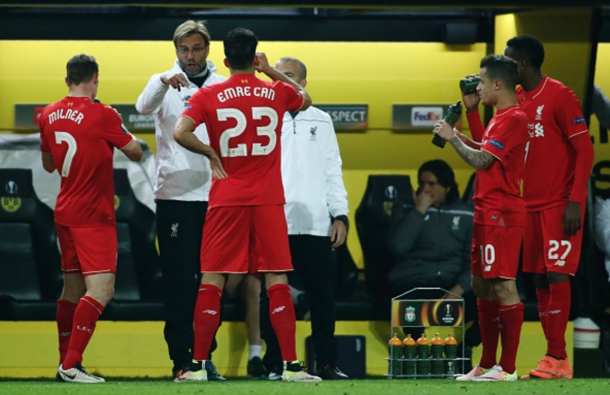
(469, 190)
(30, 280)
(373, 219)
(138, 279)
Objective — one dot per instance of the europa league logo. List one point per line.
(448, 309)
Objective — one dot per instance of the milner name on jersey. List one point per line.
(72, 115)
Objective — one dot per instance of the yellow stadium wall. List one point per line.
(137, 349)
(377, 74)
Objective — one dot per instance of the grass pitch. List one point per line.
(348, 387)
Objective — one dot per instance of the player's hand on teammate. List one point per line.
(261, 64)
(444, 130)
(175, 80)
(572, 219)
(217, 170)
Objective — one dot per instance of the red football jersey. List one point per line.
(81, 136)
(497, 196)
(555, 116)
(243, 116)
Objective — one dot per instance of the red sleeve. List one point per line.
(506, 135)
(294, 99)
(568, 113)
(476, 126)
(582, 168)
(194, 109)
(112, 130)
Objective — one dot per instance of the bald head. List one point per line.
(293, 68)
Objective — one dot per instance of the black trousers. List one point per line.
(314, 273)
(179, 231)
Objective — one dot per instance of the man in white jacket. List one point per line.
(182, 187)
(314, 190)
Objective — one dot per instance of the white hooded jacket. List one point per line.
(311, 173)
(180, 174)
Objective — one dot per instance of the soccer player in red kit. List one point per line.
(78, 137)
(245, 229)
(499, 217)
(557, 170)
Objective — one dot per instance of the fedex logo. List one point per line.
(426, 116)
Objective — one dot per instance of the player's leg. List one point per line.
(73, 289)
(251, 290)
(487, 306)
(501, 257)
(562, 256)
(223, 250)
(270, 254)
(273, 356)
(96, 249)
(533, 262)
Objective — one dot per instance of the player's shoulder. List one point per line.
(318, 114)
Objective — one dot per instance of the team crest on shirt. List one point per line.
(539, 113)
(312, 131)
(456, 223)
(174, 230)
(117, 202)
(10, 204)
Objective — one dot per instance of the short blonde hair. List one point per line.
(189, 28)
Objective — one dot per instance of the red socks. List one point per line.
(86, 315)
(557, 320)
(65, 315)
(544, 295)
(511, 319)
(490, 331)
(207, 319)
(283, 320)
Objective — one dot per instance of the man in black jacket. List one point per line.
(431, 241)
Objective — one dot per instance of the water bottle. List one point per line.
(423, 356)
(395, 352)
(436, 348)
(469, 85)
(409, 349)
(453, 115)
(450, 355)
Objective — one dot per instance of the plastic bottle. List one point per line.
(469, 85)
(436, 348)
(423, 356)
(453, 115)
(450, 355)
(409, 349)
(395, 352)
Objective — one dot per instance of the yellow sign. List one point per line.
(117, 202)
(10, 204)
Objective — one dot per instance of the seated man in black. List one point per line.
(431, 241)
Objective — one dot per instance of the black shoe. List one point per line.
(332, 373)
(275, 374)
(213, 375)
(256, 368)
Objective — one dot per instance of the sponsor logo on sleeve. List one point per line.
(579, 120)
(496, 144)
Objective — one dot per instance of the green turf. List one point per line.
(351, 387)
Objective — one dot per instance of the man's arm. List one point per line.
(133, 150)
(152, 95)
(183, 134)
(476, 158)
(47, 162)
(262, 66)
